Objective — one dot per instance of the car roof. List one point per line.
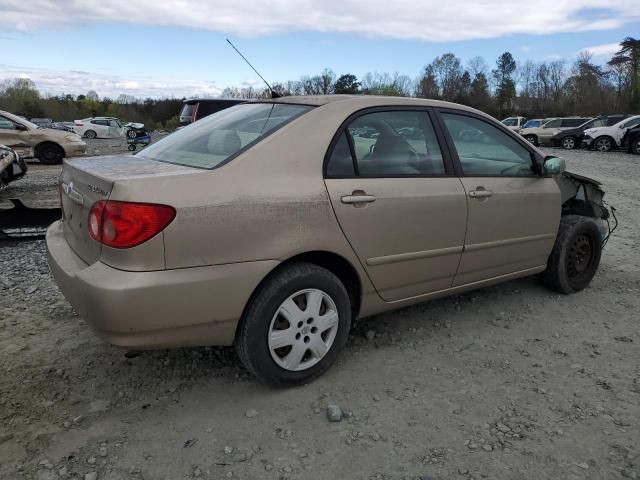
(215, 100)
(366, 101)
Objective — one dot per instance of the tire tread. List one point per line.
(259, 303)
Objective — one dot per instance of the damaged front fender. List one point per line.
(585, 196)
(582, 196)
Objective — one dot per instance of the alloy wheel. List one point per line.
(303, 329)
(568, 143)
(603, 144)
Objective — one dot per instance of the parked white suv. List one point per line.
(606, 138)
(99, 127)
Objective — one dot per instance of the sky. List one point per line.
(177, 48)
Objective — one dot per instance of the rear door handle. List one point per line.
(355, 199)
(480, 193)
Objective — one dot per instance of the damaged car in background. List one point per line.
(12, 166)
(48, 145)
(275, 239)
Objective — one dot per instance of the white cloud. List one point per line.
(607, 49)
(55, 82)
(406, 19)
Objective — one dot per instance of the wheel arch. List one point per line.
(36, 149)
(335, 263)
(614, 144)
(535, 136)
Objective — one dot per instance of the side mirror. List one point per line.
(553, 165)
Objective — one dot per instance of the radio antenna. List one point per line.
(273, 94)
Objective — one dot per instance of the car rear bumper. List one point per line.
(167, 308)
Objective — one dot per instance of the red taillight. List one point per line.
(126, 224)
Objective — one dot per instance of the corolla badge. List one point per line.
(99, 190)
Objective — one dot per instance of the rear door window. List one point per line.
(209, 142)
(387, 144)
(394, 143)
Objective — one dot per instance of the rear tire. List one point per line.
(603, 144)
(569, 143)
(90, 134)
(50, 154)
(532, 139)
(308, 345)
(575, 256)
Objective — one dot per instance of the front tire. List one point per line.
(568, 143)
(294, 325)
(635, 147)
(50, 154)
(575, 256)
(603, 144)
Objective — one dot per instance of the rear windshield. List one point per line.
(209, 142)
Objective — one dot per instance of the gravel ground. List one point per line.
(507, 382)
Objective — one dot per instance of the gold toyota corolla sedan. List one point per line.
(271, 225)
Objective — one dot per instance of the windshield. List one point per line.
(532, 124)
(595, 122)
(209, 142)
(627, 123)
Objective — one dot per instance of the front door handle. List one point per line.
(357, 198)
(480, 193)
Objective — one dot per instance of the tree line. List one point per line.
(21, 97)
(528, 88)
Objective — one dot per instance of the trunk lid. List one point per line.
(83, 182)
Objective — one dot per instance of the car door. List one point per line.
(513, 212)
(397, 200)
(548, 130)
(116, 129)
(101, 127)
(15, 136)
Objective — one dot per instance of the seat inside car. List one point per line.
(224, 142)
(392, 154)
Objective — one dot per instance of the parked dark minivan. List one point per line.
(197, 108)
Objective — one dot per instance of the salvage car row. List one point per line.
(603, 133)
